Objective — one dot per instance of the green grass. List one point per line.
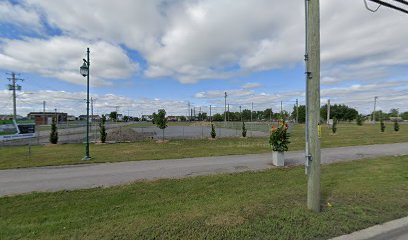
(347, 135)
(254, 205)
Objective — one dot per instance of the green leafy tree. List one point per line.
(267, 114)
(393, 112)
(126, 118)
(246, 115)
(244, 131)
(113, 116)
(54, 132)
(378, 115)
(340, 112)
(404, 115)
(102, 129)
(334, 126)
(302, 113)
(218, 117)
(202, 116)
(154, 117)
(396, 126)
(359, 120)
(213, 133)
(161, 120)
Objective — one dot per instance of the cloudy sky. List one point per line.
(150, 54)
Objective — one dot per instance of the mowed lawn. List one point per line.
(347, 135)
(253, 205)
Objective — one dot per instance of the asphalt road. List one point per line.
(17, 181)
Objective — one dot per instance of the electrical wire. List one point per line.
(402, 1)
(369, 9)
(389, 5)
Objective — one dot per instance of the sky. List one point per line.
(152, 54)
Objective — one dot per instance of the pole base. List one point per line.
(86, 158)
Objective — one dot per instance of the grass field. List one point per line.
(347, 135)
(254, 205)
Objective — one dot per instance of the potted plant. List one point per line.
(279, 140)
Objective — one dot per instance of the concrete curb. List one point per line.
(389, 230)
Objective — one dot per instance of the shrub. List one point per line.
(54, 132)
(279, 138)
(244, 131)
(102, 129)
(396, 126)
(334, 126)
(382, 125)
(213, 133)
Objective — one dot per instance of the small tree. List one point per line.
(382, 125)
(213, 133)
(396, 125)
(359, 120)
(334, 126)
(244, 131)
(54, 132)
(102, 129)
(161, 120)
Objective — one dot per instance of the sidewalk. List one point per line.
(69, 177)
(394, 230)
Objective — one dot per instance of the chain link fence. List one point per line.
(140, 131)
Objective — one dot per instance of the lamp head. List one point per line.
(84, 70)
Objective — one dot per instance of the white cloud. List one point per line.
(392, 94)
(188, 40)
(74, 103)
(19, 15)
(233, 93)
(61, 57)
(193, 40)
(251, 85)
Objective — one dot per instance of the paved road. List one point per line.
(69, 177)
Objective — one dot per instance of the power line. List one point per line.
(402, 1)
(389, 5)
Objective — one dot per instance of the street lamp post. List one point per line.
(84, 70)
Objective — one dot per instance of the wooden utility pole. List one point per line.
(373, 115)
(210, 114)
(313, 103)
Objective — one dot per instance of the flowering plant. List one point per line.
(279, 138)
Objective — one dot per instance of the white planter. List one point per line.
(278, 159)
